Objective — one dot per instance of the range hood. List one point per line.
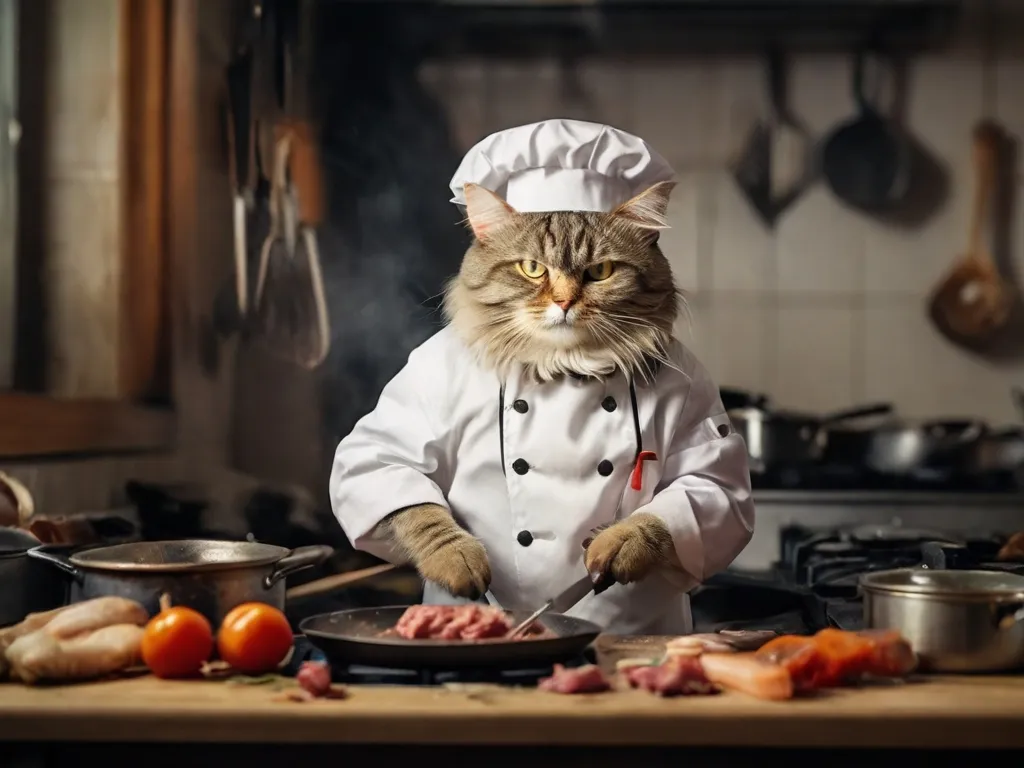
(504, 27)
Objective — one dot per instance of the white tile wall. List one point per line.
(826, 309)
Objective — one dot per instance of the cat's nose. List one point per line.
(565, 305)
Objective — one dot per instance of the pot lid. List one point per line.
(14, 541)
(181, 555)
(926, 582)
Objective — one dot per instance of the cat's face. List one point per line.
(562, 293)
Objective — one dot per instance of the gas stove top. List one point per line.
(364, 675)
(814, 583)
(830, 562)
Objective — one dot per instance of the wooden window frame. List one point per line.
(34, 425)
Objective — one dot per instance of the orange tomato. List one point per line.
(176, 642)
(254, 638)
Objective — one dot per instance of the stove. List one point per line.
(366, 675)
(814, 582)
(842, 477)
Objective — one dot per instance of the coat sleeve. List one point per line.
(704, 495)
(394, 457)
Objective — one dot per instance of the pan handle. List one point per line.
(297, 560)
(58, 562)
(875, 409)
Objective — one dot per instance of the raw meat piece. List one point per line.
(314, 677)
(1013, 549)
(746, 673)
(834, 657)
(453, 622)
(718, 642)
(678, 676)
(42, 656)
(28, 625)
(586, 679)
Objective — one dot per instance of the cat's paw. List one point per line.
(460, 566)
(628, 551)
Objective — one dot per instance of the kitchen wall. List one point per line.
(79, 194)
(827, 309)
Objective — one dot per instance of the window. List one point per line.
(84, 289)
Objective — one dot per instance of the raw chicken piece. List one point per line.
(42, 656)
(586, 679)
(746, 673)
(678, 676)
(28, 625)
(727, 641)
(95, 614)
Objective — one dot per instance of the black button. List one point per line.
(609, 404)
(520, 466)
(525, 538)
(605, 468)
(520, 406)
(723, 430)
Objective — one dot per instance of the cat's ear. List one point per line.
(647, 210)
(485, 211)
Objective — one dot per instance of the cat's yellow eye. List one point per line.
(601, 271)
(532, 269)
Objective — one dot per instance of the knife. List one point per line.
(558, 604)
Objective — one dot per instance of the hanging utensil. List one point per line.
(867, 161)
(791, 145)
(241, 142)
(973, 302)
(289, 301)
(774, 165)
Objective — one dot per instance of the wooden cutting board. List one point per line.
(938, 712)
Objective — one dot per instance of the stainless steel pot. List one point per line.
(211, 577)
(26, 585)
(787, 439)
(956, 621)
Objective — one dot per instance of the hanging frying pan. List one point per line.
(867, 161)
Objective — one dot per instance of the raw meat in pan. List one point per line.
(677, 676)
(456, 622)
(586, 679)
(727, 641)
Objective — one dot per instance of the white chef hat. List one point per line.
(561, 165)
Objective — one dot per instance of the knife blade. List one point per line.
(572, 595)
(558, 604)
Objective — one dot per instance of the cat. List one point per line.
(564, 293)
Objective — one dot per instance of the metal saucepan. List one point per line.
(211, 577)
(956, 621)
(904, 448)
(26, 585)
(354, 637)
(787, 439)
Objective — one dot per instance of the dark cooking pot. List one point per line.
(789, 439)
(26, 585)
(905, 448)
(211, 577)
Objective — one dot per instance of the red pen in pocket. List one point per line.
(636, 480)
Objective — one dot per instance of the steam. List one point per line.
(391, 239)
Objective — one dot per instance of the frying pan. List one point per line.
(353, 637)
(867, 160)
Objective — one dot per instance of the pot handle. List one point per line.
(1009, 617)
(297, 560)
(41, 553)
(860, 412)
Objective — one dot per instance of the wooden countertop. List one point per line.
(953, 712)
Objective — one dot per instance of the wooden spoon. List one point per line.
(973, 302)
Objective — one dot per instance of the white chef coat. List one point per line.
(531, 468)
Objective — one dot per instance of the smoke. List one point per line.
(392, 239)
